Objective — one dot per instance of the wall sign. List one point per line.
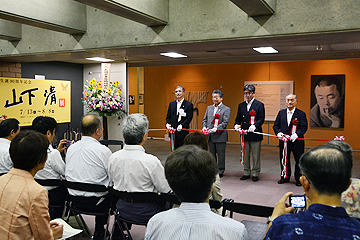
(25, 99)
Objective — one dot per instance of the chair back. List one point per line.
(49, 182)
(112, 142)
(244, 208)
(172, 198)
(140, 196)
(87, 187)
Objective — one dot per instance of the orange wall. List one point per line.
(161, 81)
(133, 89)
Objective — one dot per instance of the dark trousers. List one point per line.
(94, 204)
(179, 138)
(297, 151)
(217, 149)
(57, 197)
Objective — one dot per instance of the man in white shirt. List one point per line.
(133, 170)
(9, 128)
(191, 172)
(87, 162)
(54, 166)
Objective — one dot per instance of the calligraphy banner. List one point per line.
(25, 99)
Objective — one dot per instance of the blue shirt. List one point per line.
(193, 221)
(318, 222)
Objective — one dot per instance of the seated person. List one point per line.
(350, 199)
(9, 128)
(87, 161)
(54, 167)
(200, 139)
(326, 173)
(23, 202)
(191, 173)
(133, 170)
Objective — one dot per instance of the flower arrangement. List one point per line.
(105, 102)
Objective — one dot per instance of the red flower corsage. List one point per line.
(252, 113)
(217, 116)
(295, 122)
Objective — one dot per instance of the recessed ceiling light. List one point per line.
(173, 55)
(100, 59)
(266, 50)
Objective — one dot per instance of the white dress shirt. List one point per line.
(178, 104)
(248, 104)
(289, 115)
(87, 161)
(5, 161)
(133, 170)
(193, 221)
(54, 167)
(216, 108)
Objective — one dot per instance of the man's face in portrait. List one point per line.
(216, 99)
(328, 98)
(291, 102)
(179, 93)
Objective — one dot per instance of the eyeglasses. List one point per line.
(248, 93)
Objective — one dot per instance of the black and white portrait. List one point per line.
(327, 101)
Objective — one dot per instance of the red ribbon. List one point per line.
(205, 131)
(242, 143)
(295, 122)
(216, 121)
(172, 138)
(340, 138)
(284, 159)
(252, 117)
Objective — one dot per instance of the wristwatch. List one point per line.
(269, 219)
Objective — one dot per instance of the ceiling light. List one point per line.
(100, 59)
(173, 55)
(266, 50)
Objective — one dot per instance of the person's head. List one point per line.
(328, 93)
(291, 101)
(196, 138)
(217, 97)
(190, 172)
(342, 146)
(9, 128)
(179, 92)
(29, 150)
(91, 126)
(249, 92)
(46, 126)
(135, 129)
(326, 169)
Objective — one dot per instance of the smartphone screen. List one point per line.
(297, 201)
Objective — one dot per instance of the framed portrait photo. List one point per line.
(327, 101)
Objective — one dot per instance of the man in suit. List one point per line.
(292, 122)
(217, 117)
(251, 116)
(179, 116)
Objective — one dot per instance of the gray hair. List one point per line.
(218, 92)
(182, 88)
(134, 128)
(292, 95)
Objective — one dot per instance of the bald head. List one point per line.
(89, 125)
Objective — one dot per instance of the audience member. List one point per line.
(87, 162)
(326, 173)
(200, 139)
(23, 202)
(9, 128)
(54, 167)
(191, 173)
(350, 199)
(133, 170)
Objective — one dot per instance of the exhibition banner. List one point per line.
(25, 99)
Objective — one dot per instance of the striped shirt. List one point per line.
(193, 221)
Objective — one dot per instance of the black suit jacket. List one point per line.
(172, 116)
(281, 125)
(243, 119)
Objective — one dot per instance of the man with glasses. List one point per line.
(250, 117)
